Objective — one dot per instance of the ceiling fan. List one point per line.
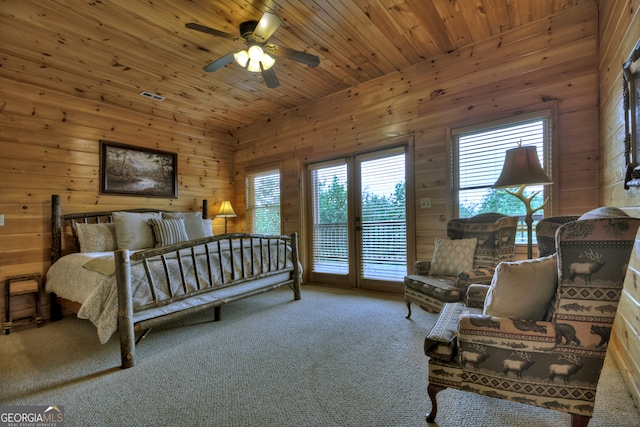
(255, 57)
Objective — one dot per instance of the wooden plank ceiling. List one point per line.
(111, 50)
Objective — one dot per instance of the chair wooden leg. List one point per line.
(579, 420)
(409, 309)
(432, 390)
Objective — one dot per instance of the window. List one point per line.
(263, 202)
(383, 215)
(330, 201)
(479, 154)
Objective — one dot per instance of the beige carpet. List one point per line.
(335, 358)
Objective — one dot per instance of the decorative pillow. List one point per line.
(452, 256)
(132, 230)
(523, 289)
(208, 227)
(96, 237)
(168, 231)
(604, 212)
(196, 227)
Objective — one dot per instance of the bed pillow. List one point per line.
(168, 231)
(132, 230)
(197, 228)
(522, 289)
(208, 227)
(96, 237)
(450, 257)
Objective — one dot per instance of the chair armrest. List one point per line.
(422, 268)
(476, 295)
(440, 344)
(481, 276)
(507, 333)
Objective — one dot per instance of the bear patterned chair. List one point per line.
(542, 335)
(546, 242)
(475, 246)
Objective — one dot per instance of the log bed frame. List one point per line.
(127, 326)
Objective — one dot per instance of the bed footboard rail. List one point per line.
(225, 268)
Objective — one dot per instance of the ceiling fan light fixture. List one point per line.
(256, 53)
(267, 61)
(253, 57)
(241, 57)
(254, 66)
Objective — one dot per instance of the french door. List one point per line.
(358, 230)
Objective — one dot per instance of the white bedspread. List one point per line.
(95, 291)
(88, 278)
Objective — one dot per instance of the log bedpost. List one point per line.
(296, 266)
(56, 251)
(125, 308)
(56, 228)
(205, 209)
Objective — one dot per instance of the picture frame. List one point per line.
(135, 171)
(631, 106)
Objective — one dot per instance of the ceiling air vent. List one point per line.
(152, 95)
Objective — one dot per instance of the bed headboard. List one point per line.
(57, 222)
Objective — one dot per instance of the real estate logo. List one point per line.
(31, 416)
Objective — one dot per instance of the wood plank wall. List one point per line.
(546, 64)
(49, 144)
(619, 32)
(49, 138)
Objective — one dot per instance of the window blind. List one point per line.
(481, 154)
(384, 234)
(263, 202)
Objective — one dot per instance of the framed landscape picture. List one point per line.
(135, 171)
(631, 106)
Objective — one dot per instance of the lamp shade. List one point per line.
(521, 167)
(241, 57)
(226, 211)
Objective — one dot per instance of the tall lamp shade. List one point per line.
(226, 212)
(521, 168)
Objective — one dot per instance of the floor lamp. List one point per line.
(522, 168)
(226, 212)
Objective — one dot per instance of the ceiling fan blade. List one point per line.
(295, 55)
(270, 78)
(267, 25)
(219, 63)
(217, 33)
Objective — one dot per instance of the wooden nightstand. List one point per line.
(22, 285)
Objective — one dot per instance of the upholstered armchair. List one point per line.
(542, 334)
(546, 242)
(546, 233)
(475, 246)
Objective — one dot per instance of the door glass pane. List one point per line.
(384, 231)
(330, 252)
